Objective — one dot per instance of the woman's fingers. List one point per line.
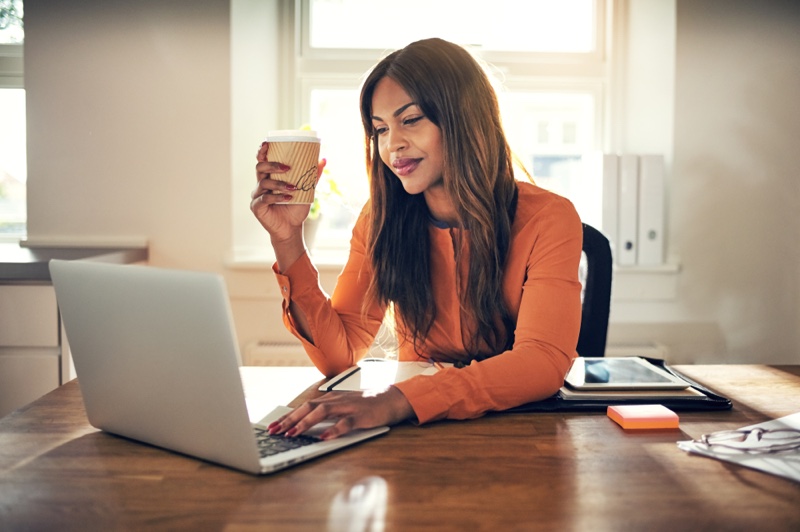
(348, 411)
(340, 428)
(261, 154)
(298, 420)
(268, 200)
(271, 191)
(283, 222)
(266, 168)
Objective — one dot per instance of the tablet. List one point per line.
(620, 373)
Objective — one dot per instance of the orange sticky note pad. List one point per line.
(643, 416)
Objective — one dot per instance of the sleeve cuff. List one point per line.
(299, 279)
(424, 397)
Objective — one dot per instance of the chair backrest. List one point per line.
(596, 294)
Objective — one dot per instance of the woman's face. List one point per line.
(408, 142)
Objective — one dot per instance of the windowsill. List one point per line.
(663, 269)
(326, 260)
(12, 239)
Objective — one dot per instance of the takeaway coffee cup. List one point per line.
(298, 149)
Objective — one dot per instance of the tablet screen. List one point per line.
(632, 373)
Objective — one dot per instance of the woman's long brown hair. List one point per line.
(452, 90)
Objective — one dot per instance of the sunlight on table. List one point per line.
(266, 387)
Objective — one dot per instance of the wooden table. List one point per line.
(501, 472)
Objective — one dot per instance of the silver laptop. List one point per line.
(157, 360)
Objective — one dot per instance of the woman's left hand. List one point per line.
(348, 410)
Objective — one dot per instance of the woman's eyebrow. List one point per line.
(397, 112)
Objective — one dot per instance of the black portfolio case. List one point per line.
(707, 401)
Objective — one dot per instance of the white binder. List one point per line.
(610, 178)
(651, 210)
(628, 231)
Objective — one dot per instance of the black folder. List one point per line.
(707, 400)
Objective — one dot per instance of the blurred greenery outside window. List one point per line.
(13, 161)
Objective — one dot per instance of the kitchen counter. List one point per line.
(34, 351)
(20, 264)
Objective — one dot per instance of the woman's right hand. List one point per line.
(282, 221)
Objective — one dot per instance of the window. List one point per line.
(548, 57)
(13, 162)
(510, 25)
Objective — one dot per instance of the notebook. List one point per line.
(379, 373)
(157, 361)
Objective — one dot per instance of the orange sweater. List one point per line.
(541, 290)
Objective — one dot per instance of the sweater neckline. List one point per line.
(439, 224)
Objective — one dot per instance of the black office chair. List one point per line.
(596, 294)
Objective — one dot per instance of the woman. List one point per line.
(480, 269)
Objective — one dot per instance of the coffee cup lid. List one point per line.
(293, 134)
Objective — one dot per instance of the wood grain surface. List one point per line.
(548, 471)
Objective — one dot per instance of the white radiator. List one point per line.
(273, 354)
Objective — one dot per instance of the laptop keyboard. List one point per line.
(272, 444)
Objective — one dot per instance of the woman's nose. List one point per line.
(395, 140)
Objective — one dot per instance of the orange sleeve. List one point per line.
(341, 335)
(543, 292)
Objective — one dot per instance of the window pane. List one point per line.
(343, 188)
(550, 133)
(13, 163)
(526, 26)
(11, 30)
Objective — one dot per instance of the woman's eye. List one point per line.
(380, 130)
(412, 121)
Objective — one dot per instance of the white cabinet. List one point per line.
(30, 347)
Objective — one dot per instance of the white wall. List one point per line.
(735, 189)
(129, 125)
(737, 205)
(130, 137)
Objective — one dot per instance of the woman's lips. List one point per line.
(405, 166)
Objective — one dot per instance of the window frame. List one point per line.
(12, 77)
(535, 70)
(12, 66)
(521, 59)
(308, 68)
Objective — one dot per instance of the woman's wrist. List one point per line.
(401, 409)
(288, 250)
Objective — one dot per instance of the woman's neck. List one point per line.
(441, 207)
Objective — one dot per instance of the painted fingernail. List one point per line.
(290, 186)
(325, 435)
(263, 143)
(287, 197)
(291, 432)
(284, 167)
